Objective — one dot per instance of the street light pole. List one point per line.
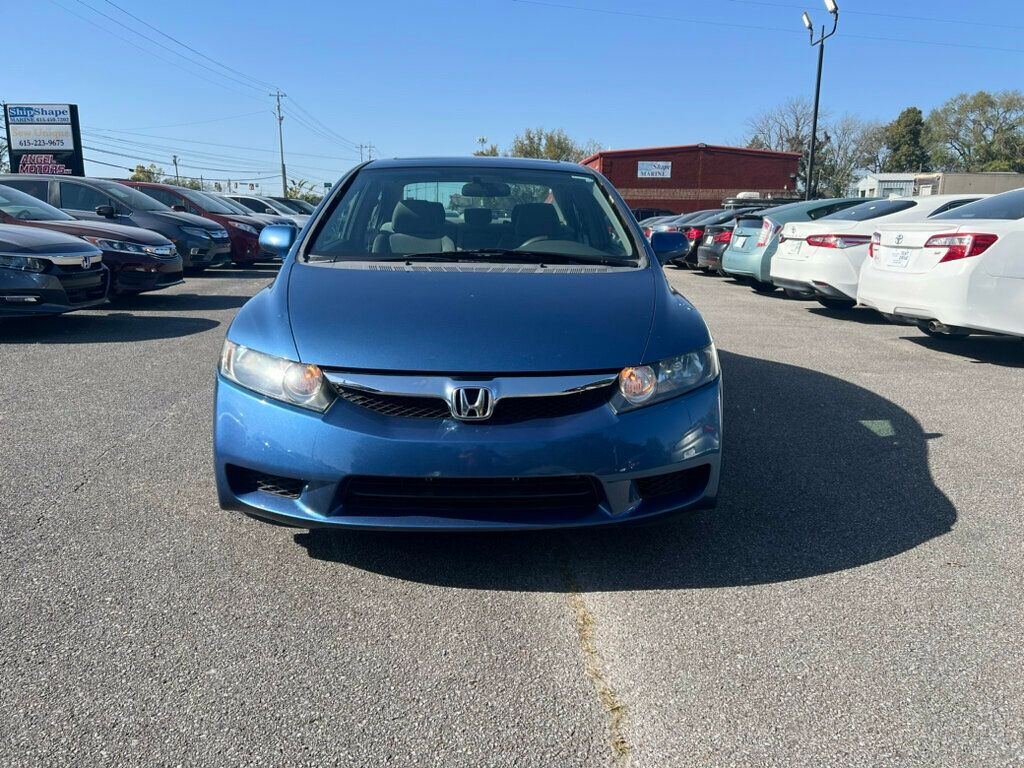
(833, 9)
(280, 141)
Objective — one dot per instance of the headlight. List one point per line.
(24, 263)
(276, 377)
(244, 227)
(196, 232)
(646, 384)
(123, 246)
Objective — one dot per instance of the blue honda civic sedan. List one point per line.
(468, 344)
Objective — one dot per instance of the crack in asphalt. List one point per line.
(595, 666)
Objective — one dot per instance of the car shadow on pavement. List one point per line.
(819, 475)
(178, 302)
(1006, 351)
(114, 327)
(249, 272)
(857, 315)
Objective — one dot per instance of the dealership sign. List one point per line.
(44, 138)
(654, 169)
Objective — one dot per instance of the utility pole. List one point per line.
(177, 179)
(369, 151)
(280, 141)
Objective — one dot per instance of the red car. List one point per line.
(244, 231)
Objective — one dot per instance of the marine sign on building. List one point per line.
(44, 138)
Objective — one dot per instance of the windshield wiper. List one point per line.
(550, 258)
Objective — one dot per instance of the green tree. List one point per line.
(977, 132)
(904, 142)
(4, 167)
(182, 181)
(550, 145)
(151, 172)
(300, 189)
(490, 151)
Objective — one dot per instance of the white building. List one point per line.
(885, 185)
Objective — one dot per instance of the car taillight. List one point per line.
(768, 228)
(648, 232)
(838, 241)
(694, 234)
(876, 240)
(961, 246)
(724, 237)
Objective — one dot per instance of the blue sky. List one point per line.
(418, 77)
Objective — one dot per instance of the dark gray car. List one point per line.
(201, 242)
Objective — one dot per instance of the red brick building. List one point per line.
(695, 176)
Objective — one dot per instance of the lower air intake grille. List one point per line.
(244, 480)
(688, 482)
(377, 495)
(395, 405)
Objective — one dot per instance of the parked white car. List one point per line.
(823, 258)
(270, 206)
(961, 272)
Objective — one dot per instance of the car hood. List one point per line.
(464, 322)
(185, 219)
(31, 240)
(110, 231)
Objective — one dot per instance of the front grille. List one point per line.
(397, 406)
(509, 410)
(687, 482)
(369, 495)
(244, 480)
(81, 286)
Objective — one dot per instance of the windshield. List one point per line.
(474, 214)
(1009, 205)
(18, 205)
(871, 210)
(292, 205)
(131, 197)
(234, 206)
(207, 203)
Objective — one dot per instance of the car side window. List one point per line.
(162, 195)
(79, 197)
(38, 189)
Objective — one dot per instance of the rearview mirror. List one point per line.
(271, 211)
(278, 239)
(669, 245)
(106, 211)
(179, 208)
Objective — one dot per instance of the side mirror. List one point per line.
(106, 211)
(179, 208)
(278, 239)
(669, 245)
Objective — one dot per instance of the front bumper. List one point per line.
(130, 274)
(621, 455)
(59, 290)
(200, 253)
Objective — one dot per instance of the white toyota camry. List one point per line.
(823, 258)
(962, 272)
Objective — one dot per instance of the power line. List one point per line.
(184, 164)
(908, 41)
(261, 83)
(152, 53)
(888, 15)
(211, 143)
(166, 47)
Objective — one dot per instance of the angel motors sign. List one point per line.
(44, 138)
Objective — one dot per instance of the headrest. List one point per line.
(533, 219)
(477, 217)
(419, 217)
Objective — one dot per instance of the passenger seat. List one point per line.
(419, 227)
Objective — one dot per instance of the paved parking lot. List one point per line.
(855, 600)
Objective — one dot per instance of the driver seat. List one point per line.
(530, 220)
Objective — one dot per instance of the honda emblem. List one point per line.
(472, 403)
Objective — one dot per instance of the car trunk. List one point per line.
(902, 248)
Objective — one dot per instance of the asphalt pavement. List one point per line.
(855, 600)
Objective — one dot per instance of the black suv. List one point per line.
(202, 243)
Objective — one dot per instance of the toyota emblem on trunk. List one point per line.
(472, 403)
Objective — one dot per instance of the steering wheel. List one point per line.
(537, 239)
